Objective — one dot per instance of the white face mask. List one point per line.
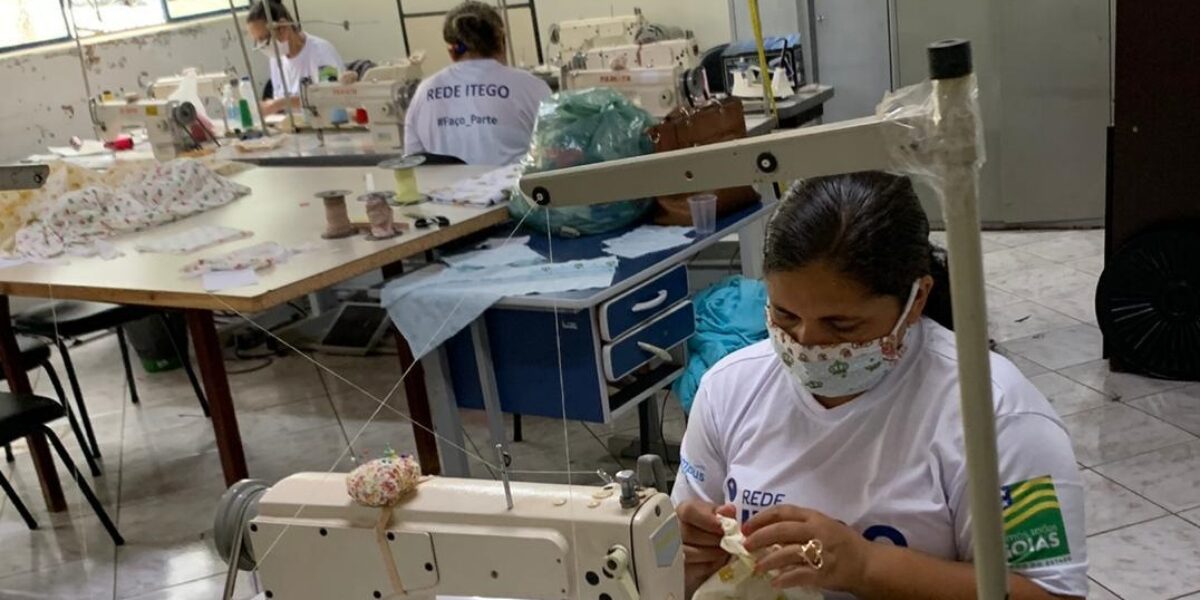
(846, 369)
(269, 51)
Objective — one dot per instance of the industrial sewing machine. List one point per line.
(169, 124)
(209, 85)
(658, 90)
(454, 537)
(577, 37)
(378, 102)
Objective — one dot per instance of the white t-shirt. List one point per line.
(891, 462)
(478, 110)
(317, 54)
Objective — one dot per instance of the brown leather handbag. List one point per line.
(717, 121)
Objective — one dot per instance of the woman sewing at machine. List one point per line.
(302, 55)
(840, 439)
(478, 109)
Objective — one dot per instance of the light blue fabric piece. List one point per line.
(647, 239)
(730, 315)
(433, 304)
(502, 256)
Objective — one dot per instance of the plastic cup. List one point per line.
(704, 213)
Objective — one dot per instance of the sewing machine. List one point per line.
(578, 36)
(454, 537)
(378, 102)
(683, 52)
(658, 90)
(209, 85)
(167, 123)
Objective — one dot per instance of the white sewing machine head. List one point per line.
(579, 36)
(167, 123)
(378, 101)
(455, 537)
(683, 52)
(209, 85)
(658, 90)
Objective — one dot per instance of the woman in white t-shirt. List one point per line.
(478, 109)
(840, 438)
(302, 55)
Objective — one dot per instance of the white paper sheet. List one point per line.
(647, 239)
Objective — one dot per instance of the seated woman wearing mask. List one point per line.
(478, 109)
(302, 54)
(840, 438)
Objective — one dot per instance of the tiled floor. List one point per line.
(1137, 439)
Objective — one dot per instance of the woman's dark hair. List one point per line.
(279, 12)
(474, 27)
(868, 225)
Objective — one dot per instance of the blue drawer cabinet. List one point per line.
(643, 303)
(603, 376)
(624, 356)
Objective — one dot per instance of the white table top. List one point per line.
(281, 208)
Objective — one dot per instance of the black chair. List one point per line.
(66, 320)
(25, 414)
(35, 354)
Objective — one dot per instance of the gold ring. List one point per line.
(811, 552)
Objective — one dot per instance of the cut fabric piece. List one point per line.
(432, 305)
(193, 239)
(70, 216)
(485, 190)
(729, 316)
(258, 256)
(737, 581)
(501, 256)
(647, 239)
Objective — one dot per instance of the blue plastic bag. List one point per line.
(581, 127)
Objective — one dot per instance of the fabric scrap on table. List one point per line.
(193, 239)
(499, 256)
(647, 239)
(432, 305)
(730, 315)
(217, 281)
(76, 207)
(485, 190)
(258, 256)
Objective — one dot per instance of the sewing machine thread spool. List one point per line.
(337, 219)
(404, 172)
(380, 215)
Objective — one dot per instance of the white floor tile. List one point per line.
(1023, 319)
(1002, 262)
(1035, 282)
(1092, 264)
(1110, 506)
(1150, 561)
(1116, 432)
(1060, 348)
(1067, 396)
(1180, 407)
(78, 580)
(1097, 592)
(1120, 386)
(1069, 246)
(1169, 476)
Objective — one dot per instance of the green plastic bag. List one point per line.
(581, 127)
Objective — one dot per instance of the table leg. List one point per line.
(487, 385)
(418, 407)
(18, 383)
(216, 387)
(446, 420)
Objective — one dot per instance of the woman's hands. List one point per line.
(843, 556)
(702, 533)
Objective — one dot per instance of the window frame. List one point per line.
(202, 15)
(170, 20)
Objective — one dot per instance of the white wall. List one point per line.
(47, 105)
(374, 31)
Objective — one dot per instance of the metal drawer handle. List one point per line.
(656, 351)
(650, 304)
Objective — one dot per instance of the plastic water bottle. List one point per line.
(246, 91)
(229, 106)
